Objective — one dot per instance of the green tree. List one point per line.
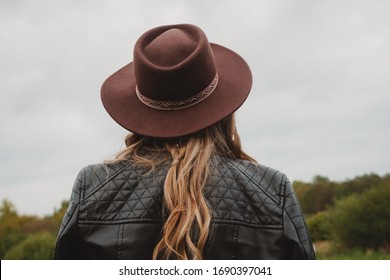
(10, 230)
(7, 209)
(22, 231)
(316, 196)
(319, 226)
(37, 246)
(363, 220)
(358, 184)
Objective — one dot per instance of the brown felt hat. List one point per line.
(178, 83)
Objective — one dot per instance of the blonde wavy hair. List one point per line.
(186, 229)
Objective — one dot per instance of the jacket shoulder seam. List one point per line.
(104, 182)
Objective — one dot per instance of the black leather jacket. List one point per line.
(116, 212)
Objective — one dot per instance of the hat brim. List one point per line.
(119, 98)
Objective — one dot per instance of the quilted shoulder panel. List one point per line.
(247, 193)
(121, 192)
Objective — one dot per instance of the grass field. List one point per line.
(327, 251)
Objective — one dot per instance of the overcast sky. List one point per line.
(319, 102)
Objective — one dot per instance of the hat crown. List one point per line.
(170, 48)
(178, 83)
(173, 63)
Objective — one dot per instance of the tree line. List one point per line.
(354, 213)
(28, 237)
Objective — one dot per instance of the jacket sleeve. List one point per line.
(296, 234)
(68, 244)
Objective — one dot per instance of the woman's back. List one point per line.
(117, 212)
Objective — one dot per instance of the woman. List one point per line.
(182, 188)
